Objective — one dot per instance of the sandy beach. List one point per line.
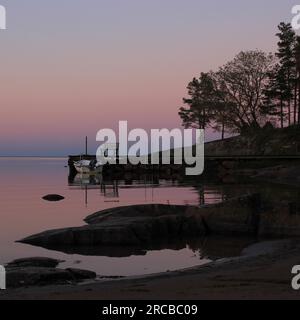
(263, 272)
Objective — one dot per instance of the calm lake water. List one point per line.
(24, 181)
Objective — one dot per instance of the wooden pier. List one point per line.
(142, 168)
(211, 161)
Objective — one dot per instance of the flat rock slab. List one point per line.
(139, 212)
(144, 225)
(34, 262)
(80, 274)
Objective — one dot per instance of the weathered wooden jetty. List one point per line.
(128, 167)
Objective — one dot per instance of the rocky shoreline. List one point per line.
(142, 226)
(265, 265)
(41, 271)
(139, 228)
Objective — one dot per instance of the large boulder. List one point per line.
(33, 276)
(239, 216)
(127, 230)
(42, 271)
(282, 221)
(144, 225)
(140, 211)
(34, 262)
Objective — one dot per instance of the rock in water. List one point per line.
(38, 271)
(143, 226)
(53, 197)
(80, 274)
(33, 276)
(126, 226)
(34, 262)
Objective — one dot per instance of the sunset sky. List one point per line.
(71, 67)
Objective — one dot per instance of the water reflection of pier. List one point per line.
(110, 190)
(109, 187)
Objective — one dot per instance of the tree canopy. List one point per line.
(250, 90)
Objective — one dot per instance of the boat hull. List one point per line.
(84, 168)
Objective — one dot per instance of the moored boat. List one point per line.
(88, 166)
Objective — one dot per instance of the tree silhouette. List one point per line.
(249, 91)
(287, 70)
(198, 112)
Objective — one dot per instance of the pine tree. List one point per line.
(297, 80)
(275, 95)
(285, 54)
(198, 112)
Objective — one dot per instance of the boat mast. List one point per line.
(86, 145)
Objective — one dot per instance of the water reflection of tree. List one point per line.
(215, 247)
(209, 192)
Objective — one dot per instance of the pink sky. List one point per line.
(68, 72)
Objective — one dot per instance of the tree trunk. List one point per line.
(281, 112)
(299, 99)
(289, 98)
(295, 102)
(200, 124)
(289, 111)
(223, 130)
